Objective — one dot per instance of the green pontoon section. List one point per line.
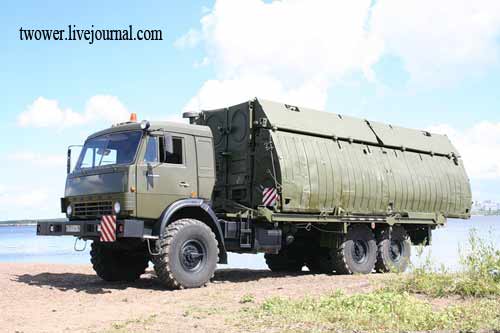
(334, 165)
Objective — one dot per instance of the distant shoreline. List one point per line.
(17, 224)
(21, 223)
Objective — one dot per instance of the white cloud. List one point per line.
(298, 49)
(479, 146)
(37, 159)
(190, 39)
(283, 50)
(439, 41)
(220, 93)
(105, 107)
(45, 112)
(27, 198)
(203, 63)
(301, 36)
(28, 195)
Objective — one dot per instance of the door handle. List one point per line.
(183, 184)
(152, 175)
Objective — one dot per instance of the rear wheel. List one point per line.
(189, 255)
(357, 252)
(112, 263)
(285, 261)
(313, 263)
(394, 250)
(321, 261)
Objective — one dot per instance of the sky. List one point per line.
(424, 64)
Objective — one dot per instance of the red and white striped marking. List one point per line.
(108, 228)
(269, 196)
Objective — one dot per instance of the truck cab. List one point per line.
(135, 172)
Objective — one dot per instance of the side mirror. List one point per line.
(68, 161)
(69, 165)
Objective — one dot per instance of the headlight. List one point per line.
(117, 208)
(69, 211)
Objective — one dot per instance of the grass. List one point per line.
(478, 276)
(380, 310)
(126, 326)
(203, 312)
(247, 298)
(406, 303)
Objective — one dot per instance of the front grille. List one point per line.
(96, 208)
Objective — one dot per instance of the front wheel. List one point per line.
(189, 255)
(112, 263)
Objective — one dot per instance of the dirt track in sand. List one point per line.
(70, 298)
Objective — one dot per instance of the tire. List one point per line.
(357, 252)
(313, 264)
(394, 250)
(284, 261)
(321, 261)
(112, 263)
(188, 256)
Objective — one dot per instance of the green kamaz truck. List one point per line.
(308, 188)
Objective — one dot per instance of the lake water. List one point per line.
(20, 244)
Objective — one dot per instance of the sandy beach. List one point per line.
(70, 298)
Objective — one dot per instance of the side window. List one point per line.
(173, 148)
(175, 156)
(151, 154)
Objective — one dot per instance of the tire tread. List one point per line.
(109, 269)
(382, 265)
(161, 262)
(339, 256)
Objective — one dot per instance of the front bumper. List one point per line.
(90, 229)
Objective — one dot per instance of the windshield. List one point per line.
(109, 149)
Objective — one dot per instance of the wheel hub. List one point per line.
(395, 250)
(359, 251)
(192, 255)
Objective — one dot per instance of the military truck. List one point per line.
(327, 191)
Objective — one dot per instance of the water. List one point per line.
(20, 244)
(449, 240)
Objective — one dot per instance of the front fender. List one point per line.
(175, 209)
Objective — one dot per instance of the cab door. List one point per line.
(166, 173)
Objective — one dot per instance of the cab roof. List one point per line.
(167, 126)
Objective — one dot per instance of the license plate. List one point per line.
(73, 228)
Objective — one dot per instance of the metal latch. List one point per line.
(292, 108)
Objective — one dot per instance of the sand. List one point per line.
(71, 298)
